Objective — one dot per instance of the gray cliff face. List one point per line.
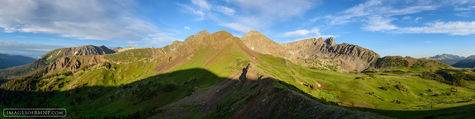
(315, 53)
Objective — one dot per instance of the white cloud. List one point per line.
(186, 28)
(452, 28)
(249, 14)
(202, 4)
(195, 11)
(85, 19)
(378, 23)
(225, 10)
(237, 27)
(463, 14)
(378, 15)
(417, 19)
(363, 11)
(259, 14)
(359, 10)
(464, 8)
(408, 10)
(301, 32)
(304, 33)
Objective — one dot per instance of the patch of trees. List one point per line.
(392, 61)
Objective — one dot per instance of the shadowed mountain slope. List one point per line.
(466, 63)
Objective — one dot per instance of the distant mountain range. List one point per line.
(7, 60)
(455, 60)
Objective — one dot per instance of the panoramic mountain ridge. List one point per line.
(51, 57)
(7, 60)
(315, 53)
(218, 75)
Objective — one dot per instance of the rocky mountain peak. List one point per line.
(222, 35)
(330, 41)
(256, 36)
(314, 52)
(256, 41)
(202, 33)
(253, 33)
(320, 40)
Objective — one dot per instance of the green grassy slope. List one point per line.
(386, 91)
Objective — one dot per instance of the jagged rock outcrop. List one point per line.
(77, 51)
(73, 63)
(314, 53)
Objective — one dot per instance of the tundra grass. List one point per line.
(388, 92)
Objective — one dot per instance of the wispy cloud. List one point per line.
(378, 23)
(370, 8)
(452, 28)
(464, 8)
(203, 4)
(248, 14)
(186, 28)
(226, 10)
(378, 15)
(237, 27)
(83, 19)
(303, 34)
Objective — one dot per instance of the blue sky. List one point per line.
(417, 28)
